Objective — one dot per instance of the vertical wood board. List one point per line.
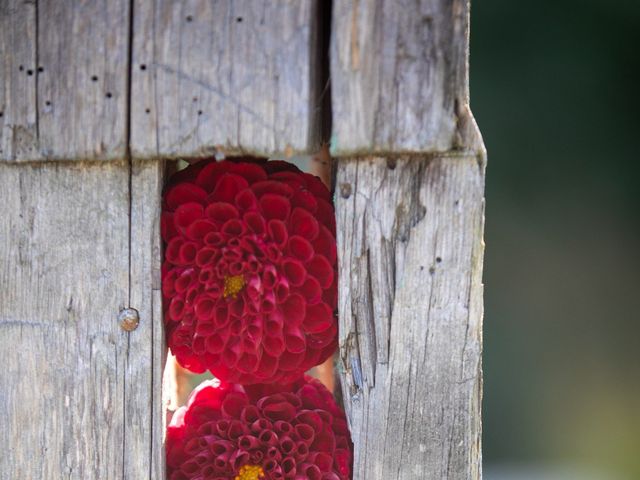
(63, 279)
(399, 76)
(410, 307)
(63, 80)
(236, 76)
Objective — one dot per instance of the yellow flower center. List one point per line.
(250, 472)
(233, 285)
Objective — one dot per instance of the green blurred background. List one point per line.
(554, 91)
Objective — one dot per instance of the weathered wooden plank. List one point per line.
(399, 75)
(226, 75)
(64, 267)
(410, 307)
(63, 80)
(144, 411)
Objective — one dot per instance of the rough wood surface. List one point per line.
(61, 288)
(63, 80)
(80, 396)
(410, 305)
(399, 76)
(229, 75)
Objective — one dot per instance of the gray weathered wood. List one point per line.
(80, 396)
(399, 75)
(226, 75)
(409, 207)
(50, 54)
(64, 270)
(410, 305)
(144, 407)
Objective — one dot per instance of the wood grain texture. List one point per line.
(144, 407)
(410, 307)
(399, 76)
(62, 285)
(237, 76)
(81, 398)
(63, 80)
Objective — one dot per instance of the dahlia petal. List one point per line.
(300, 248)
(326, 215)
(205, 307)
(187, 253)
(233, 404)
(186, 214)
(228, 186)
(233, 227)
(305, 433)
(290, 361)
(278, 232)
(250, 414)
(319, 318)
(304, 199)
(317, 186)
(167, 226)
(215, 343)
(320, 268)
(288, 465)
(268, 365)
(294, 339)
(325, 243)
(282, 427)
(251, 172)
(294, 309)
(247, 363)
(310, 471)
(290, 177)
(311, 290)
(220, 212)
(295, 271)
(256, 222)
(274, 345)
(199, 229)
(246, 200)
(304, 224)
(275, 206)
(282, 290)
(172, 252)
(209, 175)
(273, 187)
(183, 193)
(287, 446)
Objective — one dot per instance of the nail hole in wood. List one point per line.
(94, 78)
(1, 114)
(199, 112)
(438, 259)
(147, 110)
(391, 163)
(345, 190)
(189, 18)
(239, 19)
(195, 99)
(40, 69)
(29, 72)
(143, 67)
(109, 95)
(21, 68)
(47, 103)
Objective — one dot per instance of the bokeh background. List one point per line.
(554, 88)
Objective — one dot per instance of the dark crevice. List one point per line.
(320, 123)
(37, 62)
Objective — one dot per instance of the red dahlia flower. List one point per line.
(259, 432)
(249, 279)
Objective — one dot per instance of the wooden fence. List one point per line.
(95, 94)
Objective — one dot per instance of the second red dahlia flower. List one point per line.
(249, 277)
(251, 433)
